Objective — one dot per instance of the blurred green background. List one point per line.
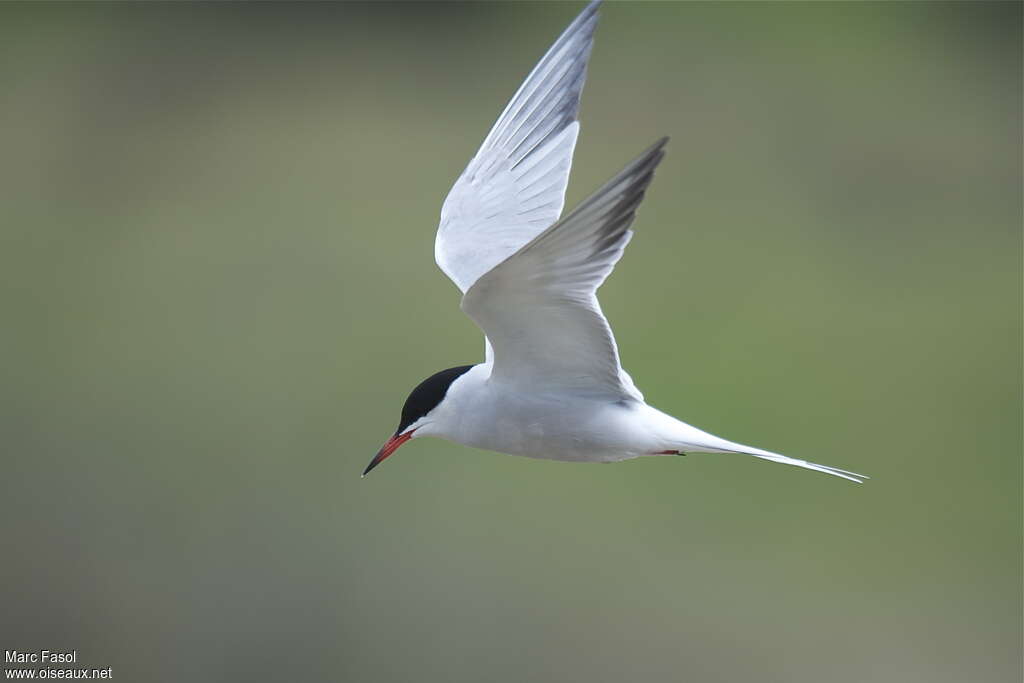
(218, 287)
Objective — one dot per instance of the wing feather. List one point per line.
(539, 307)
(514, 187)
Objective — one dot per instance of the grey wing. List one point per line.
(514, 187)
(539, 307)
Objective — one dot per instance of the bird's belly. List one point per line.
(553, 430)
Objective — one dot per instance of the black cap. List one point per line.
(428, 394)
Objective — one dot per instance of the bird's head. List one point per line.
(418, 411)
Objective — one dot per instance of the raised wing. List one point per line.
(515, 185)
(539, 307)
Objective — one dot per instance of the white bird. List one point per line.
(551, 385)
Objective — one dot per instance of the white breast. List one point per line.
(481, 412)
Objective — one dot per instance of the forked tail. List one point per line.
(775, 457)
(708, 443)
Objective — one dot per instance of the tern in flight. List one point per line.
(551, 385)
